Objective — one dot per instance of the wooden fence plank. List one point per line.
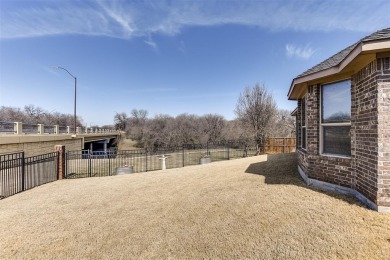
(280, 145)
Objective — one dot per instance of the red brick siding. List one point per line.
(299, 123)
(383, 79)
(364, 130)
(330, 169)
(368, 169)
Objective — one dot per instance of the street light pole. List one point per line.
(75, 97)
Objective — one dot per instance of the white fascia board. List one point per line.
(379, 45)
(330, 71)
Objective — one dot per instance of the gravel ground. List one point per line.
(255, 208)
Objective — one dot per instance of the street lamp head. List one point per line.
(55, 67)
(62, 68)
(75, 95)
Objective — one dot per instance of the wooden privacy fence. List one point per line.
(280, 145)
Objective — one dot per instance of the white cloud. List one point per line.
(299, 52)
(126, 19)
(151, 43)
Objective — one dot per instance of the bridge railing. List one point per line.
(23, 128)
(7, 128)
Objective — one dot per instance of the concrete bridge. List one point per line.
(40, 139)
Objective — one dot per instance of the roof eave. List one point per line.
(327, 72)
(371, 46)
(294, 112)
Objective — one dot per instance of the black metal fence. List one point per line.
(85, 163)
(19, 173)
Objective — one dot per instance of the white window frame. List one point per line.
(322, 125)
(304, 119)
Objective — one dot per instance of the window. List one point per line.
(336, 118)
(303, 123)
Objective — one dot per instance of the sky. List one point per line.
(168, 57)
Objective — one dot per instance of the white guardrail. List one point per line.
(21, 128)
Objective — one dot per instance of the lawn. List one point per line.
(255, 207)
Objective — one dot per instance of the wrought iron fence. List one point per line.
(11, 174)
(85, 163)
(19, 173)
(40, 169)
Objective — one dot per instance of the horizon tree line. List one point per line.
(31, 114)
(257, 119)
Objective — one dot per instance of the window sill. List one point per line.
(336, 156)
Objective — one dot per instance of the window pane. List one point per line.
(337, 140)
(303, 142)
(303, 107)
(336, 102)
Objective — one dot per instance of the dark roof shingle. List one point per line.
(340, 56)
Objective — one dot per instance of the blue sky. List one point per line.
(168, 57)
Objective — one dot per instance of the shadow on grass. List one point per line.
(278, 169)
(283, 169)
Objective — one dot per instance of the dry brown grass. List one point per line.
(127, 144)
(248, 208)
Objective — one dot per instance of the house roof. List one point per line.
(339, 57)
(294, 112)
(330, 62)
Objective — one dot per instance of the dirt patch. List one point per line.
(256, 207)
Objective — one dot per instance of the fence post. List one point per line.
(89, 163)
(109, 163)
(23, 172)
(183, 156)
(56, 129)
(60, 149)
(146, 159)
(228, 151)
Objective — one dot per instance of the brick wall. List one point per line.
(364, 130)
(299, 123)
(383, 79)
(368, 169)
(324, 168)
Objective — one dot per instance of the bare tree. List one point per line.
(139, 115)
(256, 110)
(137, 123)
(11, 114)
(157, 131)
(120, 121)
(33, 113)
(36, 115)
(213, 127)
(284, 124)
(189, 129)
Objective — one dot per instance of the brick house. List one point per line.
(343, 121)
